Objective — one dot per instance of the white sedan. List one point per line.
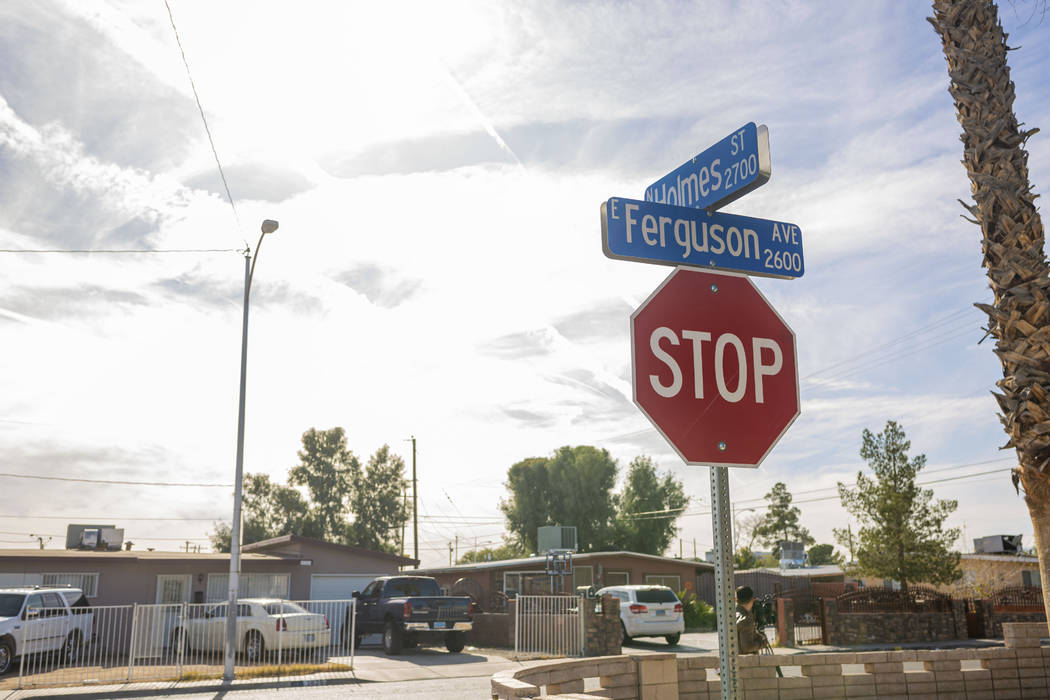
(263, 625)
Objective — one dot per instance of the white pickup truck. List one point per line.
(35, 620)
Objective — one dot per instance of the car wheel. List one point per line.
(7, 656)
(455, 641)
(672, 639)
(71, 650)
(392, 639)
(254, 647)
(626, 637)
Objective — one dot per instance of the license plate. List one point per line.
(661, 612)
(309, 637)
(439, 625)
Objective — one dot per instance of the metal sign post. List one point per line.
(725, 592)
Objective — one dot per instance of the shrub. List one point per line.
(698, 614)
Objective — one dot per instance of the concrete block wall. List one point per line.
(1020, 670)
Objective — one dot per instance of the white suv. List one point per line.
(648, 611)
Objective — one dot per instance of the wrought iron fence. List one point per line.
(548, 625)
(917, 599)
(1018, 599)
(172, 642)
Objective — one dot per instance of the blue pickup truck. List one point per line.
(409, 610)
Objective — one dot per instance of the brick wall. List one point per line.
(993, 619)
(492, 630)
(847, 629)
(1019, 670)
(602, 635)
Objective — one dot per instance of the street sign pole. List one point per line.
(725, 593)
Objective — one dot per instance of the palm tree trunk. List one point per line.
(1019, 319)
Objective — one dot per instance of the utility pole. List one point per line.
(415, 508)
(849, 534)
(679, 547)
(457, 547)
(404, 500)
(450, 554)
(694, 548)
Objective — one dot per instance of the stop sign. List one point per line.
(714, 368)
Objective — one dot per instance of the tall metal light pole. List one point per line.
(268, 226)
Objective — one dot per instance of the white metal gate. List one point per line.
(551, 625)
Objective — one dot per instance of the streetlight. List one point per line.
(736, 528)
(268, 226)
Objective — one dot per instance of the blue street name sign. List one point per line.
(670, 235)
(731, 168)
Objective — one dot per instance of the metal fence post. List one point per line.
(181, 638)
(353, 631)
(134, 629)
(725, 593)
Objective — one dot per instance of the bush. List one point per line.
(698, 614)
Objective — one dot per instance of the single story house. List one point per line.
(291, 567)
(529, 575)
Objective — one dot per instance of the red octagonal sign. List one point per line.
(714, 368)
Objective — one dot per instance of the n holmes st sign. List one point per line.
(714, 368)
(731, 168)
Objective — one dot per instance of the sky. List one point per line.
(437, 171)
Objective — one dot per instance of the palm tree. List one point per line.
(1019, 319)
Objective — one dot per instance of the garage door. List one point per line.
(338, 586)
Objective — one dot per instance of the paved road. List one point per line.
(428, 672)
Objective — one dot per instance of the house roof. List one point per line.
(350, 549)
(126, 555)
(804, 572)
(540, 561)
(1018, 558)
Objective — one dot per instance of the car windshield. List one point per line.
(656, 595)
(11, 604)
(399, 587)
(284, 609)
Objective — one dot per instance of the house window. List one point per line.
(250, 586)
(615, 578)
(672, 582)
(85, 582)
(582, 576)
(526, 583)
(1031, 577)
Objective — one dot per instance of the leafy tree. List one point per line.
(329, 471)
(820, 554)
(745, 559)
(902, 534)
(996, 162)
(780, 522)
(572, 487)
(662, 499)
(507, 550)
(377, 504)
(267, 510)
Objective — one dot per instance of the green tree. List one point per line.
(902, 534)
(781, 521)
(267, 510)
(507, 550)
(745, 559)
(377, 505)
(572, 487)
(658, 501)
(329, 470)
(820, 554)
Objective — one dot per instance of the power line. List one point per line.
(135, 251)
(204, 119)
(107, 518)
(112, 481)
